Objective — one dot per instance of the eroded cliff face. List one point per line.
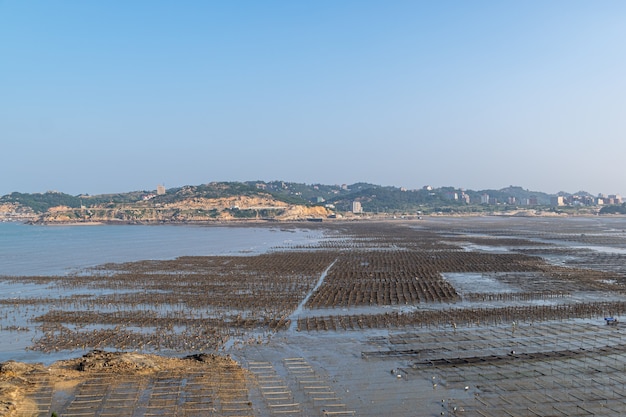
(15, 212)
(303, 212)
(240, 202)
(187, 210)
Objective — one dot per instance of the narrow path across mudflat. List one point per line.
(296, 313)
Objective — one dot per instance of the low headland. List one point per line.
(259, 201)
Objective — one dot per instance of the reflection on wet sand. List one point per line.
(409, 319)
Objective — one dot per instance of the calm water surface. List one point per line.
(58, 250)
(34, 250)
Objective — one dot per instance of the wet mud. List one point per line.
(461, 316)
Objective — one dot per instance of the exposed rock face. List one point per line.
(13, 211)
(303, 212)
(241, 202)
(193, 209)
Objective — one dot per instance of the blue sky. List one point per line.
(113, 96)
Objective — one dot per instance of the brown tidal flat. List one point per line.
(476, 317)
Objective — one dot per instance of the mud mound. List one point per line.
(98, 360)
(11, 369)
(13, 381)
(204, 357)
(20, 381)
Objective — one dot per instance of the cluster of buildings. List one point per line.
(159, 191)
(461, 196)
(586, 200)
(555, 201)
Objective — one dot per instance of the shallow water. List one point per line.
(53, 250)
(465, 282)
(27, 250)
(31, 250)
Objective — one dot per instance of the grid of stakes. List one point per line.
(189, 388)
(191, 303)
(557, 369)
(513, 358)
(199, 303)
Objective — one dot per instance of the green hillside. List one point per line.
(373, 198)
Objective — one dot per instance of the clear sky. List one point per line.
(114, 96)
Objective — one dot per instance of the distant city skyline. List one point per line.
(106, 97)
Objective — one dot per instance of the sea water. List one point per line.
(28, 250)
(53, 250)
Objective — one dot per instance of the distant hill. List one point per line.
(278, 200)
(40, 203)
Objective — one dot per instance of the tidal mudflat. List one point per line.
(477, 316)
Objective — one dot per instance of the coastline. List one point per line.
(346, 218)
(374, 218)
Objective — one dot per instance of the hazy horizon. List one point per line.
(154, 189)
(106, 97)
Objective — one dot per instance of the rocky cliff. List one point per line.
(187, 210)
(15, 212)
